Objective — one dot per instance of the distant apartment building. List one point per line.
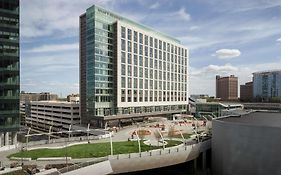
(227, 87)
(267, 84)
(40, 115)
(73, 98)
(43, 96)
(128, 68)
(246, 92)
(9, 71)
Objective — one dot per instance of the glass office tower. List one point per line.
(267, 84)
(9, 71)
(128, 68)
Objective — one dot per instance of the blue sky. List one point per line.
(224, 37)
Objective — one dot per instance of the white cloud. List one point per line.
(227, 53)
(182, 14)
(155, 5)
(192, 28)
(202, 80)
(54, 48)
(278, 40)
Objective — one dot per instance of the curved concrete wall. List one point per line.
(157, 158)
(245, 149)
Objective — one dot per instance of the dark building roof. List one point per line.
(268, 119)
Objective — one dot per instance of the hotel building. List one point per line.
(128, 68)
(227, 87)
(9, 72)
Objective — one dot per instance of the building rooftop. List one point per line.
(259, 118)
(268, 71)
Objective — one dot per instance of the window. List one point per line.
(141, 38)
(135, 60)
(129, 58)
(146, 62)
(146, 40)
(123, 82)
(140, 83)
(150, 41)
(135, 36)
(123, 45)
(151, 63)
(155, 43)
(129, 34)
(123, 32)
(129, 70)
(146, 84)
(123, 57)
(129, 83)
(129, 46)
(135, 48)
(135, 83)
(151, 84)
(123, 69)
(151, 73)
(136, 71)
(141, 72)
(160, 44)
(141, 50)
(146, 73)
(146, 51)
(140, 61)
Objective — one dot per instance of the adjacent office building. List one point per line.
(246, 92)
(267, 84)
(9, 71)
(227, 87)
(128, 68)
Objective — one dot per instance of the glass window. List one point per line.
(135, 83)
(151, 84)
(135, 60)
(146, 51)
(135, 71)
(135, 36)
(123, 45)
(123, 32)
(129, 70)
(135, 48)
(155, 74)
(151, 52)
(146, 40)
(151, 74)
(129, 58)
(123, 69)
(160, 44)
(140, 61)
(123, 82)
(146, 84)
(141, 50)
(141, 38)
(129, 46)
(155, 43)
(164, 46)
(141, 72)
(129, 82)
(129, 34)
(123, 57)
(140, 83)
(146, 73)
(155, 53)
(151, 63)
(150, 41)
(146, 62)
(155, 64)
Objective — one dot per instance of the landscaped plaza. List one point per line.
(157, 133)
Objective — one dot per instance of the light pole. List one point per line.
(136, 131)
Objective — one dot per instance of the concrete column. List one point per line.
(14, 138)
(6, 142)
(204, 160)
(195, 164)
(1, 137)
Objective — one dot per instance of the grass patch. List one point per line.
(18, 172)
(185, 135)
(90, 150)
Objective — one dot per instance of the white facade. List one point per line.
(152, 70)
(41, 115)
